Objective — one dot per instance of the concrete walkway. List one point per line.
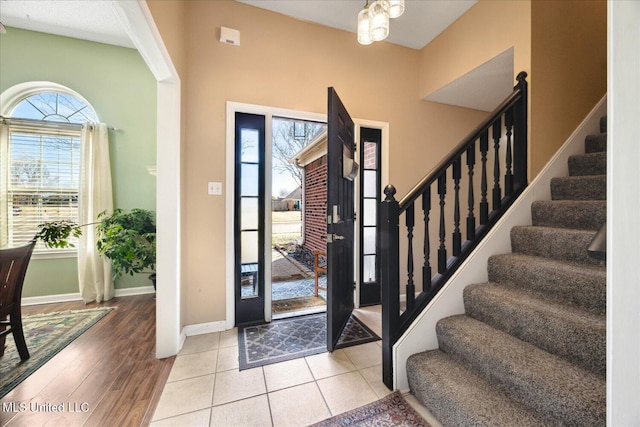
(285, 268)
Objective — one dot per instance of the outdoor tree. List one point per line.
(289, 137)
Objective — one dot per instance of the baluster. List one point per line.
(457, 237)
(484, 204)
(442, 250)
(426, 268)
(497, 192)
(471, 219)
(411, 289)
(508, 176)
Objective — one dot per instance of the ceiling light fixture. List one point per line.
(373, 19)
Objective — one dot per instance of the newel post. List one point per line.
(389, 253)
(520, 134)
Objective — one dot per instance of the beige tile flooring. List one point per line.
(206, 388)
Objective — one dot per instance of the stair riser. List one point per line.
(595, 143)
(567, 284)
(435, 379)
(554, 243)
(586, 215)
(579, 340)
(588, 164)
(579, 188)
(550, 386)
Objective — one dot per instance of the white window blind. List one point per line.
(43, 179)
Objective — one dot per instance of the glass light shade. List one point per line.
(379, 16)
(396, 8)
(364, 25)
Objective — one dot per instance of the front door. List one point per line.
(340, 218)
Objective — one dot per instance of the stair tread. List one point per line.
(573, 283)
(577, 214)
(586, 187)
(552, 385)
(588, 164)
(477, 403)
(596, 142)
(559, 243)
(574, 333)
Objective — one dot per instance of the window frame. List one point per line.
(10, 100)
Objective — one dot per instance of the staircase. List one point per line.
(530, 348)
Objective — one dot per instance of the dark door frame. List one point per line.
(269, 112)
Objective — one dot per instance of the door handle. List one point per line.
(333, 237)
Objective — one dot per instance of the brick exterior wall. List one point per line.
(369, 155)
(315, 205)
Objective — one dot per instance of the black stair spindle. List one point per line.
(497, 191)
(457, 236)
(508, 176)
(426, 268)
(442, 250)
(411, 289)
(471, 219)
(484, 204)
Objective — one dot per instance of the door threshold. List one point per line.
(302, 312)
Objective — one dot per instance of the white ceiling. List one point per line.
(422, 21)
(95, 20)
(81, 19)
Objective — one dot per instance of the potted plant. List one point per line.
(128, 239)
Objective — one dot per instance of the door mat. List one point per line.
(46, 335)
(299, 303)
(391, 410)
(293, 338)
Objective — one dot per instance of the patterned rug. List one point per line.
(391, 410)
(46, 336)
(295, 337)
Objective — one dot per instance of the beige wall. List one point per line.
(569, 66)
(287, 63)
(487, 29)
(560, 44)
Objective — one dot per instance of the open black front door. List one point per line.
(340, 218)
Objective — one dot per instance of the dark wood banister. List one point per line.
(394, 324)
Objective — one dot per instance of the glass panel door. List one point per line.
(249, 218)
(370, 183)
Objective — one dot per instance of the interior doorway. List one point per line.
(297, 212)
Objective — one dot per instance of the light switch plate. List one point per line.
(214, 188)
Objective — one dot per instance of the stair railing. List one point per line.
(507, 128)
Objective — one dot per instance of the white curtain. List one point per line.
(94, 272)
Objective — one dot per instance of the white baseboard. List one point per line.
(204, 328)
(49, 299)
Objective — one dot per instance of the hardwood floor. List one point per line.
(110, 370)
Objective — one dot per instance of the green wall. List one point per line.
(122, 90)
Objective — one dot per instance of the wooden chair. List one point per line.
(317, 269)
(13, 267)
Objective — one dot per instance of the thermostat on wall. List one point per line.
(229, 36)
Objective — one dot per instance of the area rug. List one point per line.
(298, 303)
(391, 410)
(46, 336)
(295, 337)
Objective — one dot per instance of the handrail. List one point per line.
(506, 127)
(428, 179)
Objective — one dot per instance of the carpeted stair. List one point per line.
(530, 349)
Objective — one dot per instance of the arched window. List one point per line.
(40, 147)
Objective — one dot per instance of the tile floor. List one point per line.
(206, 388)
